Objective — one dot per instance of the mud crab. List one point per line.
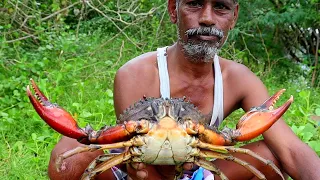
(162, 132)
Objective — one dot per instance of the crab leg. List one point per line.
(229, 149)
(261, 159)
(210, 154)
(100, 159)
(211, 167)
(87, 175)
(179, 171)
(93, 147)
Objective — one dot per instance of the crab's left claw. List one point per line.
(56, 117)
(260, 119)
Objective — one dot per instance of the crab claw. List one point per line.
(260, 119)
(56, 117)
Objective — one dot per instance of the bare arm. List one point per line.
(72, 167)
(296, 157)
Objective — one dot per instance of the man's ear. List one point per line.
(235, 16)
(172, 9)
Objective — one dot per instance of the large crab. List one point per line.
(162, 132)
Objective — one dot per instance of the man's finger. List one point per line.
(137, 171)
(142, 174)
(138, 166)
(188, 166)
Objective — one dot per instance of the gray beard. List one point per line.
(200, 51)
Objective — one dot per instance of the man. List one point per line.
(203, 27)
(217, 86)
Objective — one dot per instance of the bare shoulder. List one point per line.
(135, 79)
(141, 71)
(234, 69)
(238, 75)
(239, 80)
(139, 65)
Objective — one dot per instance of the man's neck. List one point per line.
(183, 65)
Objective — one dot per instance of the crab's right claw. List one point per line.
(260, 119)
(56, 117)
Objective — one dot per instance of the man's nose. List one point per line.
(207, 16)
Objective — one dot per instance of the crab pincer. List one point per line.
(55, 116)
(261, 118)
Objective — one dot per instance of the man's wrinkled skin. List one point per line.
(192, 75)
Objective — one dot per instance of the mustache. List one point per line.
(206, 31)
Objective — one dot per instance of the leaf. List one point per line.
(309, 128)
(315, 145)
(86, 114)
(77, 105)
(34, 136)
(317, 111)
(304, 94)
(302, 111)
(307, 136)
(18, 145)
(3, 114)
(109, 93)
(294, 129)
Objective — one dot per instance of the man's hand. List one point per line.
(74, 166)
(138, 171)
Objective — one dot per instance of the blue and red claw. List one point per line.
(56, 117)
(260, 119)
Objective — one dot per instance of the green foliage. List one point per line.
(301, 123)
(277, 34)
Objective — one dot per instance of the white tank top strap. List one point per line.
(163, 72)
(217, 111)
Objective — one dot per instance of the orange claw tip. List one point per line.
(28, 91)
(291, 98)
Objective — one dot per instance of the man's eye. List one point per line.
(194, 4)
(220, 7)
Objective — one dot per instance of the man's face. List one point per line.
(203, 26)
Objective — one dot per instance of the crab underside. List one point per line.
(162, 132)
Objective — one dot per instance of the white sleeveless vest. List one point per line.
(217, 111)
